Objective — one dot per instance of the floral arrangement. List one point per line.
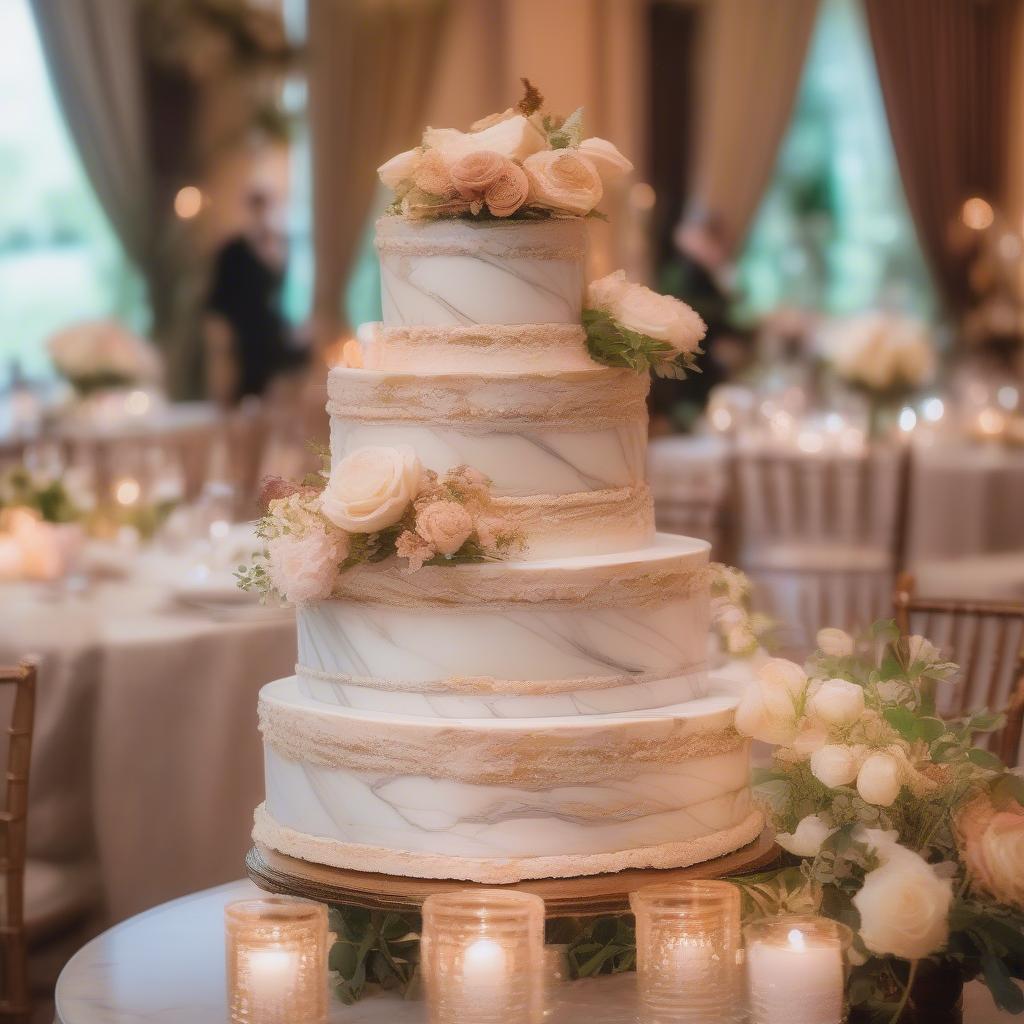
(904, 829)
(629, 325)
(45, 496)
(886, 354)
(103, 354)
(521, 163)
(376, 503)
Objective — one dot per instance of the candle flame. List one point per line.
(797, 940)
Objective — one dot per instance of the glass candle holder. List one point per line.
(687, 952)
(482, 952)
(276, 960)
(796, 970)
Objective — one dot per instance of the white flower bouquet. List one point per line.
(899, 825)
(101, 354)
(883, 353)
(520, 163)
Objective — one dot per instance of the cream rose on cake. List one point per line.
(564, 181)
(606, 159)
(371, 489)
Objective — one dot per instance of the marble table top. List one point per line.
(166, 966)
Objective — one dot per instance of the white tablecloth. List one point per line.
(147, 757)
(964, 500)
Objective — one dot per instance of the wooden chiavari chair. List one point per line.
(15, 1004)
(986, 639)
(818, 535)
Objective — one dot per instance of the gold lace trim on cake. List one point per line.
(527, 759)
(569, 399)
(555, 239)
(620, 510)
(499, 586)
(489, 686)
(542, 337)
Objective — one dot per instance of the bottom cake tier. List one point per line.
(502, 800)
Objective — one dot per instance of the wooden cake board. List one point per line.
(588, 896)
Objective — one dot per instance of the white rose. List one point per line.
(370, 489)
(561, 179)
(400, 168)
(838, 702)
(879, 779)
(606, 158)
(515, 138)
(806, 840)
(904, 907)
(606, 291)
(785, 674)
(835, 764)
(836, 643)
(755, 719)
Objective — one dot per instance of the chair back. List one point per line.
(14, 990)
(986, 639)
(791, 499)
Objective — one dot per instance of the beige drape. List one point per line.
(753, 54)
(946, 70)
(370, 64)
(92, 54)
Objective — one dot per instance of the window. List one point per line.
(59, 259)
(834, 233)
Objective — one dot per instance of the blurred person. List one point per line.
(249, 346)
(700, 273)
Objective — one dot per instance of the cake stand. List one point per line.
(589, 896)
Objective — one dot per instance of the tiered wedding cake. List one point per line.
(537, 703)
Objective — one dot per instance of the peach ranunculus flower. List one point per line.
(639, 309)
(508, 192)
(473, 174)
(444, 525)
(561, 179)
(433, 176)
(304, 566)
(371, 489)
(992, 846)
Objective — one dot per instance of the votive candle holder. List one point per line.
(688, 950)
(482, 954)
(276, 950)
(796, 970)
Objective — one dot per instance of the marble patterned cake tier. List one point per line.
(522, 662)
(564, 450)
(499, 801)
(461, 272)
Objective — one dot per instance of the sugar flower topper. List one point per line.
(519, 163)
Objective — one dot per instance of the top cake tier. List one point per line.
(460, 273)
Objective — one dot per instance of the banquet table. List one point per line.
(167, 965)
(147, 761)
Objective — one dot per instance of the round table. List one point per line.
(166, 966)
(147, 762)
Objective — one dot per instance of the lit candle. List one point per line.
(795, 970)
(687, 946)
(482, 953)
(276, 951)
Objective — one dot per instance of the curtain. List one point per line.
(752, 57)
(945, 67)
(370, 66)
(92, 54)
